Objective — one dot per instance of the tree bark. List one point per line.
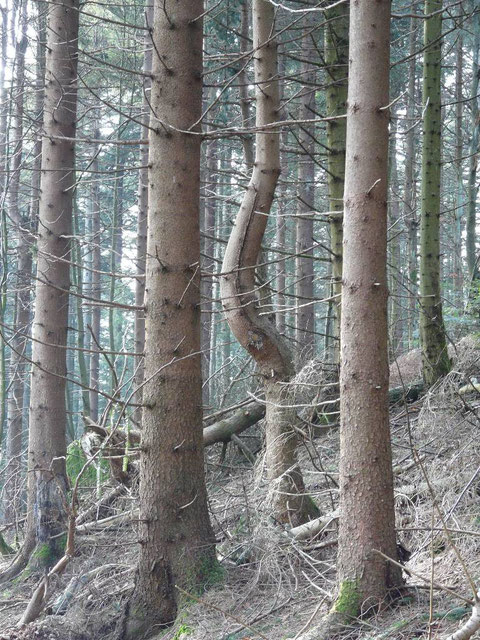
(336, 63)
(304, 289)
(176, 539)
(473, 150)
(460, 194)
(22, 283)
(47, 483)
(366, 481)
(257, 333)
(435, 360)
(409, 196)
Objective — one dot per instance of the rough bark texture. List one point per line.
(142, 223)
(256, 333)
(395, 256)
(22, 284)
(367, 519)
(176, 540)
(46, 449)
(460, 195)
(304, 289)
(336, 62)
(435, 360)
(475, 136)
(409, 197)
(208, 263)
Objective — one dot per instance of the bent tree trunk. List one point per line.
(47, 484)
(256, 333)
(367, 520)
(435, 360)
(176, 539)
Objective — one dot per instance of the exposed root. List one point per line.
(333, 624)
(471, 626)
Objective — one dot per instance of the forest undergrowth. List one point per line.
(271, 585)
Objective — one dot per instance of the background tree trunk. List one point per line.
(336, 66)
(435, 360)
(304, 285)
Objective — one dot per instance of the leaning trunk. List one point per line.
(255, 332)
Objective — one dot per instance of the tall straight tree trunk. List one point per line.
(177, 542)
(21, 232)
(367, 520)
(208, 262)
(255, 332)
(435, 360)
(409, 195)
(366, 479)
(336, 63)
(47, 483)
(305, 325)
(95, 286)
(3, 212)
(142, 221)
(474, 146)
(396, 277)
(460, 197)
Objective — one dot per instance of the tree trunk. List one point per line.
(257, 333)
(366, 480)
(47, 483)
(305, 325)
(208, 262)
(336, 63)
(95, 286)
(460, 195)
(395, 260)
(435, 360)
(142, 223)
(176, 540)
(22, 283)
(409, 195)
(473, 151)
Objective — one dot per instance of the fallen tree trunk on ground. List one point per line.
(221, 431)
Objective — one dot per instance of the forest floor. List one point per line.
(271, 586)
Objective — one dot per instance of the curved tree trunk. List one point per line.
(435, 360)
(176, 540)
(256, 333)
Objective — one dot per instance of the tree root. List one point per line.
(471, 626)
(333, 624)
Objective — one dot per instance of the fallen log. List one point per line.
(221, 431)
(313, 527)
(409, 392)
(242, 419)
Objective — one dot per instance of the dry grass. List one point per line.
(273, 584)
